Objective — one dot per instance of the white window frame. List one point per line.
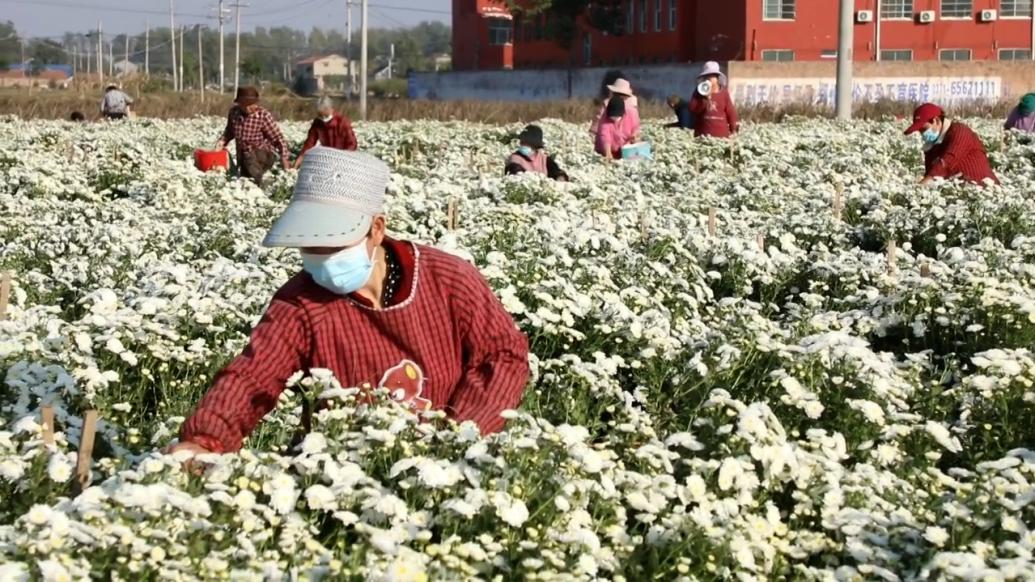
(780, 5)
(643, 16)
(904, 9)
(659, 11)
(1025, 51)
(828, 54)
(495, 27)
(970, 55)
(1022, 12)
(778, 60)
(673, 15)
(968, 16)
(896, 60)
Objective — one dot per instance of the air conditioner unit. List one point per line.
(926, 16)
(988, 15)
(864, 16)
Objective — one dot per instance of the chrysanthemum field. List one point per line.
(700, 407)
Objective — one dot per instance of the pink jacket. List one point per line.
(536, 164)
(632, 109)
(612, 136)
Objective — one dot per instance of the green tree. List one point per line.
(604, 15)
(10, 45)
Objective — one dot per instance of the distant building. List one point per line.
(17, 77)
(487, 36)
(312, 75)
(443, 62)
(383, 73)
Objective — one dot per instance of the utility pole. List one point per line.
(111, 58)
(844, 60)
(147, 48)
(391, 58)
(100, 52)
(348, 48)
(222, 75)
(125, 67)
(363, 60)
(201, 66)
(172, 37)
(182, 33)
(237, 49)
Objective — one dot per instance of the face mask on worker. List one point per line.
(343, 272)
(930, 135)
(525, 151)
(326, 118)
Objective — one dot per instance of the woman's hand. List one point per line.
(190, 465)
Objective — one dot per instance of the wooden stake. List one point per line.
(452, 214)
(892, 250)
(48, 425)
(82, 468)
(925, 269)
(760, 239)
(5, 294)
(839, 201)
(644, 224)
(711, 221)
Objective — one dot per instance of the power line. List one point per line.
(95, 7)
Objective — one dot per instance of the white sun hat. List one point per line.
(621, 87)
(712, 68)
(336, 197)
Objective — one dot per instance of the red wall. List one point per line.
(728, 30)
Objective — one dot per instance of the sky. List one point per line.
(55, 17)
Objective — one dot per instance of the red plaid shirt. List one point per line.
(443, 342)
(257, 131)
(336, 133)
(960, 153)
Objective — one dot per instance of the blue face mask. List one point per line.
(343, 272)
(525, 151)
(930, 136)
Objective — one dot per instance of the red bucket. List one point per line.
(210, 160)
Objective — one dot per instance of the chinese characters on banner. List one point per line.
(821, 90)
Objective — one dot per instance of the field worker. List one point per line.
(531, 156)
(618, 129)
(377, 311)
(330, 129)
(258, 138)
(1022, 117)
(715, 115)
(621, 90)
(684, 119)
(951, 149)
(115, 104)
(77, 116)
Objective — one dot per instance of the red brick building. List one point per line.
(486, 36)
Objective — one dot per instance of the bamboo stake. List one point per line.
(644, 224)
(5, 294)
(48, 425)
(892, 251)
(925, 269)
(82, 468)
(760, 239)
(711, 221)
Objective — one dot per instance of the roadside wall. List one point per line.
(752, 83)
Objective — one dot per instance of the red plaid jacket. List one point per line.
(336, 133)
(444, 342)
(257, 131)
(960, 153)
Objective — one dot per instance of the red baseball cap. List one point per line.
(924, 114)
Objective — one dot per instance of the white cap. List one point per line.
(336, 197)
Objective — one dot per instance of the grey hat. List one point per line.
(336, 197)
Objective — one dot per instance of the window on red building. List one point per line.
(896, 55)
(778, 9)
(658, 13)
(643, 15)
(896, 9)
(954, 55)
(777, 55)
(1014, 55)
(957, 8)
(673, 13)
(587, 49)
(1015, 9)
(630, 17)
(500, 31)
